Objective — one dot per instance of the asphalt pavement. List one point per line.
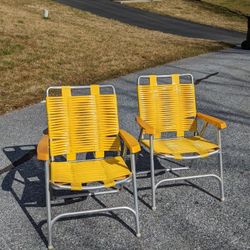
(154, 21)
(187, 217)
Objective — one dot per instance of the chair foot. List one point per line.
(222, 199)
(138, 235)
(153, 208)
(50, 247)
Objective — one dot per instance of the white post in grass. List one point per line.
(45, 14)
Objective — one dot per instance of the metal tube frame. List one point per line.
(152, 167)
(89, 188)
(162, 170)
(86, 194)
(184, 157)
(48, 204)
(119, 184)
(203, 129)
(151, 151)
(163, 76)
(51, 222)
(221, 166)
(154, 185)
(80, 87)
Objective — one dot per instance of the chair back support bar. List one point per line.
(168, 107)
(72, 121)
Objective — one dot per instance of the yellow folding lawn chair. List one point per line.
(167, 106)
(85, 120)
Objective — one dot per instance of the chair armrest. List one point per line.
(145, 126)
(131, 143)
(43, 148)
(212, 120)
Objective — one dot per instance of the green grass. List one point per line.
(8, 47)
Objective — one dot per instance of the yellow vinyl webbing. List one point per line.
(168, 107)
(77, 174)
(153, 80)
(155, 105)
(181, 146)
(82, 123)
(95, 90)
(179, 107)
(66, 94)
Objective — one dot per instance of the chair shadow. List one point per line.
(26, 170)
(144, 160)
(33, 195)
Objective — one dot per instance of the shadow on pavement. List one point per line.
(25, 180)
(23, 171)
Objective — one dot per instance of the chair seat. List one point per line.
(76, 174)
(178, 147)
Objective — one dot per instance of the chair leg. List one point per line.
(138, 234)
(48, 205)
(221, 167)
(152, 167)
(221, 176)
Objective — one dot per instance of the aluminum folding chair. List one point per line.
(167, 107)
(85, 120)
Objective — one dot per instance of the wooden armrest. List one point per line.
(212, 120)
(145, 126)
(43, 148)
(129, 140)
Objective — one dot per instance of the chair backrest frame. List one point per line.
(168, 107)
(82, 123)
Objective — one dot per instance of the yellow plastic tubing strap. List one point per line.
(167, 107)
(58, 124)
(107, 126)
(183, 96)
(78, 173)
(85, 123)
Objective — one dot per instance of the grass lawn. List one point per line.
(226, 14)
(74, 47)
(241, 6)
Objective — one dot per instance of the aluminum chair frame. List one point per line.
(150, 150)
(43, 153)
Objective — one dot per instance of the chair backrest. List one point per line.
(168, 107)
(82, 122)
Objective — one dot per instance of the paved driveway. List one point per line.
(186, 217)
(154, 21)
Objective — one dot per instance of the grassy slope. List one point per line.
(241, 6)
(211, 12)
(74, 47)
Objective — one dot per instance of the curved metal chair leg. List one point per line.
(48, 204)
(138, 234)
(221, 176)
(152, 173)
(221, 168)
